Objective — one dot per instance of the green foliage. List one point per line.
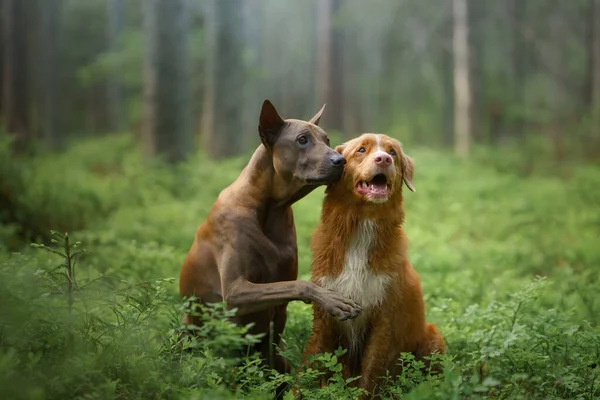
(509, 267)
(309, 381)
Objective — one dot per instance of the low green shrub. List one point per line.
(509, 267)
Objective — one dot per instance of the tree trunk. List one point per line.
(50, 77)
(352, 123)
(336, 73)
(476, 48)
(520, 56)
(2, 55)
(15, 79)
(462, 91)
(595, 73)
(116, 115)
(254, 86)
(167, 117)
(448, 79)
(207, 114)
(224, 125)
(147, 134)
(323, 73)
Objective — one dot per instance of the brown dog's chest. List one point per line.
(278, 228)
(283, 265)
(278, 252)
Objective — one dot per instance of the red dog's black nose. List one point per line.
(338, 160)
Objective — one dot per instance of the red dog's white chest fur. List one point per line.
(358, 281)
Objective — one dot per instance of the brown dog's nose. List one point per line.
(383, 159)
(338, 161)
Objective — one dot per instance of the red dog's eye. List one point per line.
(393, 153)
(362, 150)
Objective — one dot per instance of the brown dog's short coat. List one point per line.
(245, 252)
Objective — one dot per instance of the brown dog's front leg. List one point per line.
(250, 297)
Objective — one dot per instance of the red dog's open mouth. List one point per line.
(375, 189)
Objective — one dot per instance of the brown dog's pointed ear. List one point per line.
(408, 170)
(315, 120)
(270, 124)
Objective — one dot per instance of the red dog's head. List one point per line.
(375, 168)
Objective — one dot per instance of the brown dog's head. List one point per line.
(300, 149)
(376, 168)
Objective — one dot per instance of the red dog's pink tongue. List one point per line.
(378, 187)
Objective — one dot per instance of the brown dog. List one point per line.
(360, 250)
(245, 253)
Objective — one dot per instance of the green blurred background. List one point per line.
(122, 120)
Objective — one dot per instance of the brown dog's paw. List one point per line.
(338, 306)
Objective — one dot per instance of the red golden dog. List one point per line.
(360, 251)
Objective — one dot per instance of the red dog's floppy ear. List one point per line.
(315, 120)
(340, 148)
(270, 124)
(408, 169)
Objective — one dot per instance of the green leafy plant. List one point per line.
(326, 367)
(479, 238)
(69, 253)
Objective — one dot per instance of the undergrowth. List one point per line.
(509, 267)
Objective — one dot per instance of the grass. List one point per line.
(509, 267)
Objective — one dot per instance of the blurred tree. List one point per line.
(447, 73)
(288, 57)
(15, 80)
(254, 85)
(518, 12)
(324, 60)
(2, 54)
(593, 84)
(352, 121)
(167, 128)
(207, 113)
(85, 64)
(337, 71)
(329, 62)
(116, 117)
(50, 14)
(476, 19)
(150, 76)
(462, 127)
(532, 70)
(223, 125)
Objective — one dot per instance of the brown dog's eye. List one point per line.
(393, 153)
(362, 150)
(302, 140)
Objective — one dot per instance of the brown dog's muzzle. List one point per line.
(338, 160)
(330, 171)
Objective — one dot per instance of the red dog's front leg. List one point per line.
(376, 356)
(322, 340)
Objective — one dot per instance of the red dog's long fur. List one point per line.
(360, 250)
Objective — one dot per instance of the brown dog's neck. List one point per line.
(267, 187)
